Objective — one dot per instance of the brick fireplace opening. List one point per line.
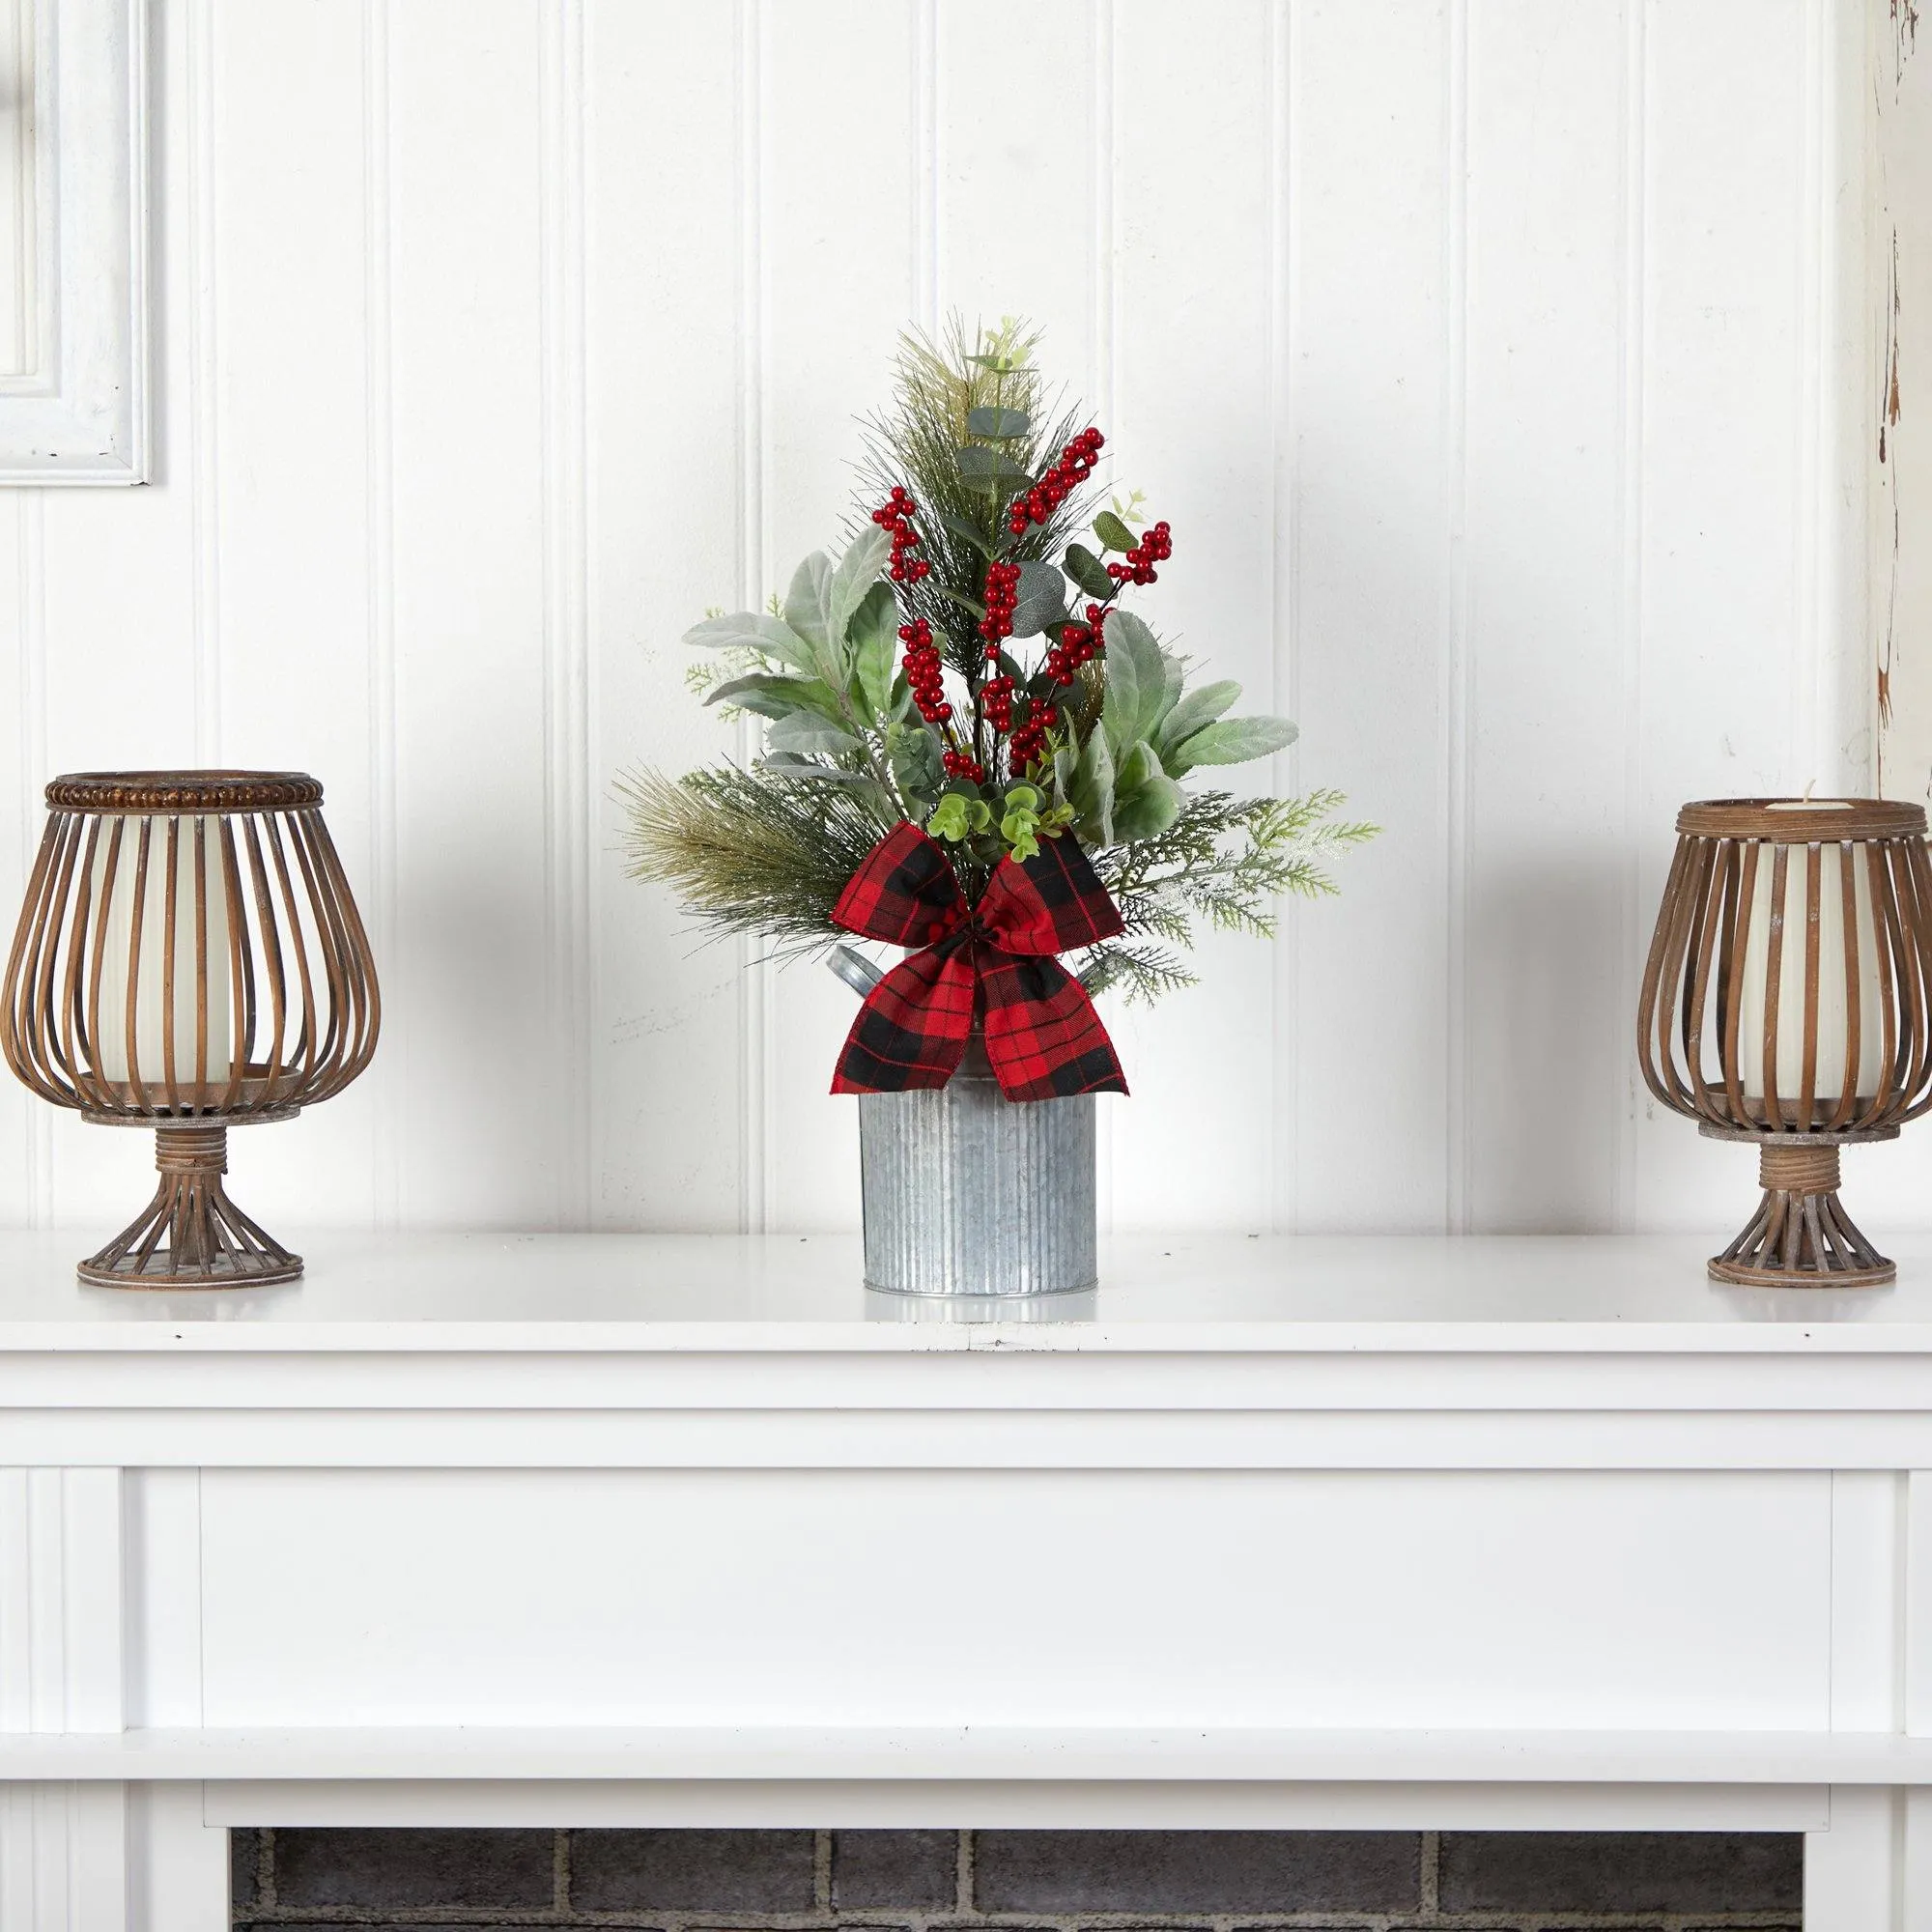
(1047, 1881)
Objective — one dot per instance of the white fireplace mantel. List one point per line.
(500, 1529)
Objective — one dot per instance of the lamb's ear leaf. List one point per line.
(1136, 679)
(753, 631)
(772, 697)
(805, 601)
(1234, 741)
(852, 580)
(1092, 791)
(806, 731)
(874, 636)
(1198, 709)
(1148, 810)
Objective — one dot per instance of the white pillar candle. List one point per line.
(151, 1005)
(1788, 1067)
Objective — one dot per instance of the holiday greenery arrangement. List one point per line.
(924, 784)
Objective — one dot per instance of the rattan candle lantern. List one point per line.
(1787, 1001)
(189, 957)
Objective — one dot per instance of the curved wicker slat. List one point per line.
(1790, 1035)
(188, 956)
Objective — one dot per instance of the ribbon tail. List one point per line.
(912, 1027)
(1043, 1037)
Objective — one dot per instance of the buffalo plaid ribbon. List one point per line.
(1043, 1038)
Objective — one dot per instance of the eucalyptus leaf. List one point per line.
(753, 631)
(916, 766)
(874, 637)
(1042, 598)
(1111, 532)
(959, 597)
(807, 731)
(853, 580)
(1088, 572)
(1146, 812)
(991, 470)
(1198, 708)
(1001, 425)
(805, 601)
(1234, 741)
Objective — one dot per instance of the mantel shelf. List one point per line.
(798, 1753)
(669, 1294)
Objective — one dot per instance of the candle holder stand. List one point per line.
(1800, 1236)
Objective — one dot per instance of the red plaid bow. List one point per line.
(1043, 1037)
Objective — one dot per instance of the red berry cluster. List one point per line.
(964, 765)
(1078, 645)
(1027, 747)
(996, 701)
(1003, 594)
(923, 672)
(1156, 547)
(1076, 464)
(896, 514)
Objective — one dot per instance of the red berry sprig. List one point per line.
(1027, 747)
(1077, 644)
(1002, 595)
(996, 699)
(895, 515)
(1075, 464)
(1156, 547)
(964, 765)
(923, 672)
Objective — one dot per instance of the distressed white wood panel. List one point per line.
(664, 525)
(1718, 707)
(1190, 286)
(725, 1596)
(836, 249)
(1361, 534)
(1539, 645)
(286, 530)
(484, 1089)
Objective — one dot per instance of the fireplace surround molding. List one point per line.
(1302, 1533)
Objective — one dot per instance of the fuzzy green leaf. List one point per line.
(805, 601)
(1091, 794)
(1001, 425)
(1141, 764)
(966, 531)
(1088, 572)
(773, 697)
(1198, 709)
(852, 582)
(1148, 809)
(753, 631)
(1234, 741)
(1136, 680)
(1111, 532)
(874, 636)
(806, 731)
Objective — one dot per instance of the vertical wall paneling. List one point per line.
(1186, 285)
(568, 996)
(664, 453)
(1512, 376)
(466, 201)
(838, 285)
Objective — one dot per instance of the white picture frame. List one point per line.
(73, 408)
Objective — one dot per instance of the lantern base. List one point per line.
(1800, 1236)
(192, 1234)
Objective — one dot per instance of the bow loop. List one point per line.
(1043, 1038)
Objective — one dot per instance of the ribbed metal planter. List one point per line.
(968, 1193)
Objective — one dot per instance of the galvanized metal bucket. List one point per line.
(968, 1193)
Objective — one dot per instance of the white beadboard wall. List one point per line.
(1491, 359)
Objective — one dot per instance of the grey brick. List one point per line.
(243, 1848)
(692, 1871)
(915, 1871)
(1621, 1871)
(380, 1866)
(1197, 1871)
